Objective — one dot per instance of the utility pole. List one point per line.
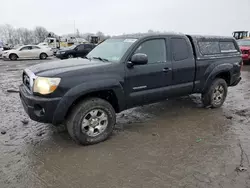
(74, 27)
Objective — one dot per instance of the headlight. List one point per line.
(45, 85)
(62, 52)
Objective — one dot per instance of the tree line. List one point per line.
(13, 36)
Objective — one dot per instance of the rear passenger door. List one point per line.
(183, 63)
(35, 52)
(150, 82)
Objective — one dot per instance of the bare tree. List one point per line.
(40, 33)
(25, 36)
(8, 33)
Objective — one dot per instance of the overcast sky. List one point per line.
(220, 17)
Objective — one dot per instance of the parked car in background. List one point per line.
(245, 49)
(80, 50)
(28, 52)
(125, 72)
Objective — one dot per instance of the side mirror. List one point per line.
(139, 59)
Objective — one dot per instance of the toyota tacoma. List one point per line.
(123, 72)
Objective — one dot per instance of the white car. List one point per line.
(28, 52)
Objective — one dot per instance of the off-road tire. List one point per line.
(207, 96)
(75, 118)
(43, 56)
(13, 57)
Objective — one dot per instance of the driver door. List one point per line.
(150, 82)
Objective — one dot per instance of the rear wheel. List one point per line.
(13, 57)
(91, 121)
(216, 94)
(43, 56)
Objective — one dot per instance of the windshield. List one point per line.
(111, 49)
(72, 47)
(243, 42)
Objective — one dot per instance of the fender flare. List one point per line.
(88, 87)
(222, 68)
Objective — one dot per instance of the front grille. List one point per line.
(245, 51)
(26, 80)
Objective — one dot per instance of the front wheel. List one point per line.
(43, 56)
(216, 94)
(91, 121)
(13, 57)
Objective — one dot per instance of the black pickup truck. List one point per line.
(124, 72)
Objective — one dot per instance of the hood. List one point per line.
(8, 51)
(62, 66)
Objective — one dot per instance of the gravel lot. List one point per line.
(175, 143)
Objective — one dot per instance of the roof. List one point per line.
(211, 37)
(142, 35)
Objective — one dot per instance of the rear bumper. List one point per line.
(245, 57)
(39, 109)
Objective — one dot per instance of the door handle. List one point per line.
(166, 69)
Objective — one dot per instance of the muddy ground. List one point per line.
(175, 143)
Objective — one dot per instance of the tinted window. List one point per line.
(209, 48)
(35, 47)
(180, 49)
(155, 50)
(80, 47)
(89, 46)
(26, 48)
(227, 47)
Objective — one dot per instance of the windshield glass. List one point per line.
(243, 42)
(72, 47)
(111, 49)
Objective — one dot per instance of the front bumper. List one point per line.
(60, 56)
(245, 57)
(39, 109)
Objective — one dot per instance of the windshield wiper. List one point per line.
(101, 59)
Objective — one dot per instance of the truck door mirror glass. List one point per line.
(139, 59)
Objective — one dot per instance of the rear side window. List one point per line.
(227, 47)
(209, 48)
(35, 47)
(180, 49)
(213, 47)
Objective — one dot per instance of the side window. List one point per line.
(155, 50)
(35, 47)
(88, 46)
(226, 47)
(179, 48)
(26, 48)
(209, 48)
(80, 47)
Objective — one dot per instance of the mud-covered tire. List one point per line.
(76, 117)
(43, 56)
(13, 57)
(216, 94)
